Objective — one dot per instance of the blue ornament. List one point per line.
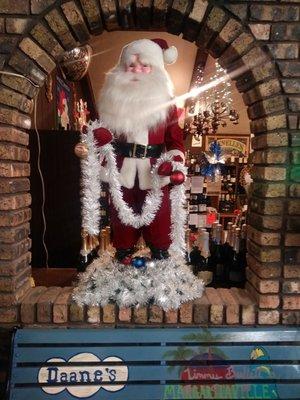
(138, 262)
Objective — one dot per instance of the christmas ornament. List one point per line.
(150, 263)
(138, 262)
(214, 161)
(177, 178)
(127, 260)
(102, 136)
(74, 63)
(165, 169)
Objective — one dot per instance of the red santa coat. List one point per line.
(168, 133)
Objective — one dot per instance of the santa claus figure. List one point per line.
(140, 119)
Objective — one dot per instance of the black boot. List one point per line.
(123, 253)
(159, 254)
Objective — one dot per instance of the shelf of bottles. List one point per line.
(216, 254)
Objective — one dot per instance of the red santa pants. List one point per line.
(157, 234)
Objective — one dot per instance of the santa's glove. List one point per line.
(102, 136)
(166, 168)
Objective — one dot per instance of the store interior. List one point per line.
(217, 148)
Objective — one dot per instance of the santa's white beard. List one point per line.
(132, 108)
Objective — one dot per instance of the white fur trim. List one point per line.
(128, 172)
(170, 55)
(148, 51)
(176, 152)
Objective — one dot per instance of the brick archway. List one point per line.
(38, 32)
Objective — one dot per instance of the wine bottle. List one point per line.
(203, 269)
(236, 273)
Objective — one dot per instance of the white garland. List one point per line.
(90, 184)
(91, 191)
(166, 283)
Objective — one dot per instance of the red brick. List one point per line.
(232, 311)
(15, 234)
(13, 267)
(201, 310)
(186, 313)
(45, 304)
(28, 305)
(140, 315)
(14, 298)
(156, 314)
(268, 317)
(125, 314)
(12, 251)
(262, 285)
(292, 239)
(263, 238)
(14, 185)
(12, 152)
(9, 314)
(14, 201)
(13, 218)
(14, 170)
(289, 286)
(291, 271)
(77, 312)
(11, 134)
(109, 313)
(291, 302)
(93, 314)
(264, 270)
(291, 318)
(248, 305)
(171, 317)
(12, 283)
(216, 306)
(264, 254)
(61, 305)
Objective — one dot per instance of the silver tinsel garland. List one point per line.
(91, 185)
(166, 283)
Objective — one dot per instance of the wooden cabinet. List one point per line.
(61, 174)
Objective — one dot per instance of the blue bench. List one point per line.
(156, 363)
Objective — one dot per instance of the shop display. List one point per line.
(142, 201)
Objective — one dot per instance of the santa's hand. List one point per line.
(166, 168)
(81, 150)
(102, 136)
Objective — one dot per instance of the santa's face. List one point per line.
(138, 67)
(135, 96)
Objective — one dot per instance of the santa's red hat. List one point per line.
(153, 51)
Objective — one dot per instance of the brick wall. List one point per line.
(258, 42)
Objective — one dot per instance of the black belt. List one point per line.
(139, 150)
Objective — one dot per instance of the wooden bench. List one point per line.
(156, 363)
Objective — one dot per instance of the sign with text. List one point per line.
(155, 364)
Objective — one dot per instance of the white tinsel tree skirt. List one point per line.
(166, 283)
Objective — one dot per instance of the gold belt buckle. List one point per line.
(145, 152)
(134, 150)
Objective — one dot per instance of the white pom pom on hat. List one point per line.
(170, 54)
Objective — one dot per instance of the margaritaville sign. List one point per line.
(84, 374)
